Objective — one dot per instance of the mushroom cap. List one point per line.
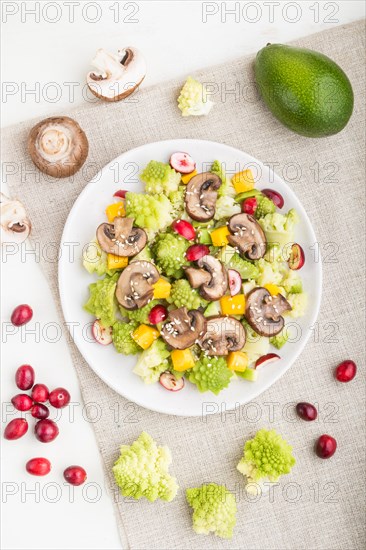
(263, 311)
(15, 224)
(201, 196)
(135, 284)
(247, 236)
(117, 76)
(121, 238)
(58, 146)
(211, 278)
(223, 334)
(182, 327)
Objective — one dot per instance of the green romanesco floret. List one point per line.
(231, 259)
(299, 303)
(280, 339)
(193, 100)
(292, 282)
(95, 259)
(142, 470)
(169, 252)
(280, 229)
(269, 272)
(273, 253)
(102, 303)
(214, 510)
(226, 188)
(140, 316)
(122, 338)
(226, 207)
(210, 374)
(264, 206)
(182, 294)
(152, 362)
(160, 178)
(177, 200)
(151, 212)
(255, 345)
(266, 457)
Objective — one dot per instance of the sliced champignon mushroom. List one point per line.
(58, 146)
(117, 76)
(135, 284)
(121, 238)
(201, 196)
(263, 311)
(15, 224)
(211, 278)
(182, 328)
(247, 236)
(223, 334)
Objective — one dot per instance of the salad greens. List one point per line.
(197, 249)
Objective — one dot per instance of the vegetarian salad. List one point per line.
(196, 276)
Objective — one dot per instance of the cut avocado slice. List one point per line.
(248, 374)
(212, 309)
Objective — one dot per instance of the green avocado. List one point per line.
(304, 89)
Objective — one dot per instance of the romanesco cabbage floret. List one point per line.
(268, 273)
(231, 259)
(292, 282)
(280, 339)
(193, 100)
(266, 457)
(299, 303)
(169, 251)
(160, 178)
(279, 228)
(152, 362)
(95, 259)
(182, 294)
(102, 303)
(214, 510)
(210, 374)
(141, 470)
(177, 200)
(226, 207)
(140, 316)
(151, 212)
(122, 338)
(264, 206)
(255, 345)
(226, 188)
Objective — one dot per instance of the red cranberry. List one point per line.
(59, 398)
(46, 430)
(326, 446)
(184, 229)
(16, 428)
(158, 314)
(40, 393)
(21, 315)
(249, 206)
(306, 411)
(40, 411)
(38, 466)
(275, 197)
(121, 193)
(197, 251)
(22, 402)
(75, 475)
(346, 371)
(24, 377)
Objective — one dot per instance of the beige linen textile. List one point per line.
(321, 505)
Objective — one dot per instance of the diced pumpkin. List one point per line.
(144, 336)
(182, 359)
(187, 177)
(219, 236)
(115, 210)
(116, 262)
(237, 360)
(161, 289)
(243, 181)
(233, 305)
(273, 289)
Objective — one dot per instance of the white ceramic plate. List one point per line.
(116, 369)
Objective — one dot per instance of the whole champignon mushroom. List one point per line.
(121, 238)
(263, 311)
(247, 236)
(117, 76)
(211, 278)
(223, 334)
(58, 146)
(183, 328)
(201, 196)
(15, 224)
(135, 285)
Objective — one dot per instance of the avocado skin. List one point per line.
(308, 92)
